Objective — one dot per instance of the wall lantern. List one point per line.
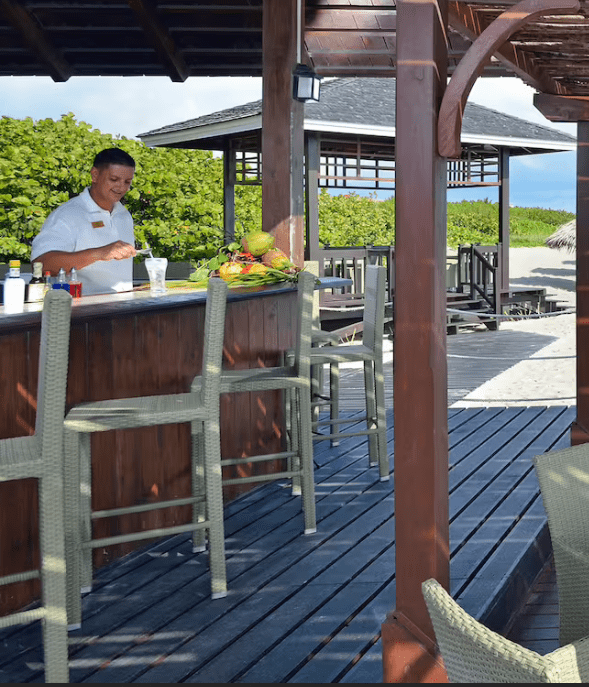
(306, 84)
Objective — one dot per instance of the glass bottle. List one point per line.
(47, 284)
(14, 289)
(36, 290)
(75, 284)
(61, 282)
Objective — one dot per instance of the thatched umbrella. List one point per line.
(564, 237)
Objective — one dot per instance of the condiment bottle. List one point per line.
(47, 284)
(75, 284)
(14, 289)
(61, 282)
(36, 290)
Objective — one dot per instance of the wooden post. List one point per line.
(580, 428)
(312, 160)
(504, 233)
(282, 131)
(572, 109)
(229, 193)
(420, 368)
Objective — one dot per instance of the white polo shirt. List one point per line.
(81, 223)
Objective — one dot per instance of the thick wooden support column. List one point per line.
(282, 131)
(420, 367)
(580, 428)
(504, 232)
(576, 109)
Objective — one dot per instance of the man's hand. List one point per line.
(119, 250)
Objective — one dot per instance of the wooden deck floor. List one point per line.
(309, 608)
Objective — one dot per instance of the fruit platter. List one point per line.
(252, 262)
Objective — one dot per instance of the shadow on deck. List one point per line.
(309, 608)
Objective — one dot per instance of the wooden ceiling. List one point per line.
(61, 39)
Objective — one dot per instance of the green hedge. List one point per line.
(177, 197)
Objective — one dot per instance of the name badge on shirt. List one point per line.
(98, 224)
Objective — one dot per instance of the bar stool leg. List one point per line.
(51, 499)
(383, 454)
(198, 485)
(214, 488)
(334, 378)
(73, 524)
(303, 401)
(371, 412)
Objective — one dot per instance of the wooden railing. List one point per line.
(350, 262)
(479, 273)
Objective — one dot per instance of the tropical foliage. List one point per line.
(177, 197)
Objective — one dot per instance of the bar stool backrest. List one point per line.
(302, 349)
(213, 342)
(374, 305)
(53, 366)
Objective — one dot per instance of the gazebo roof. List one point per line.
(365, 107)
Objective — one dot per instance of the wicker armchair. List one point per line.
(202, 409)
(369, 352)
(564, 483)
(41, 456)
(472, 653)
(294, 378)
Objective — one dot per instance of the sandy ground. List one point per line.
(548, 377)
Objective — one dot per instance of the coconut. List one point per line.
(276, 259)
(257, 243)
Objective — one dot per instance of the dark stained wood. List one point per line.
(558, 108)
(504, 228)
(580, 430)
(472, 65)
(282, 132)
(308, 608)
(420, 380)
(131, 353)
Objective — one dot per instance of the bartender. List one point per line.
(93, 232)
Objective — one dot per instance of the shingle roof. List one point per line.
(371, 102)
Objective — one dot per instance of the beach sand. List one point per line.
(547, 377)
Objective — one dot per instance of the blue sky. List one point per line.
(130, 106)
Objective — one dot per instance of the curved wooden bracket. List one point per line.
(472, 64)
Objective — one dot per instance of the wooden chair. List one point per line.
(370, 354)
(41, 456)
(294, 378)
(202, 410)
(472, 653)
(564, 483)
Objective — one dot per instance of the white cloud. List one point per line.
(124, 106)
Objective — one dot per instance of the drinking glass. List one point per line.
(156, 268)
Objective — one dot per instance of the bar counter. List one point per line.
(133, 344)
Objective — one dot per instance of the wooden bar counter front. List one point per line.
(133, 344)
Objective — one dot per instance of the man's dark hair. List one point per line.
(113, 156)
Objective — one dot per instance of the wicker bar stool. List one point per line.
(202, 409)
(41, 456)
(369, 352)
(294, 377)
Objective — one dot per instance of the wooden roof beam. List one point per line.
(558, 108)
(58, 67)
(473, 63)
(159, 36)
(466, 22)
